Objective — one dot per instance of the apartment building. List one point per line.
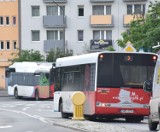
(9, 37)
(80, 25)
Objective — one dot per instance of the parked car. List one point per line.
(153, 86)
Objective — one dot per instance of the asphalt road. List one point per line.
(28, 115)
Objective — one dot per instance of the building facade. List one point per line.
(9, 35)
(78, 25)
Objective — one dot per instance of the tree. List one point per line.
(57, 53)
(144, 32)
(28, 55)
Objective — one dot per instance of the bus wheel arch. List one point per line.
(36, 94)
(63, 115)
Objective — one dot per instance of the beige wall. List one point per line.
(7, 33)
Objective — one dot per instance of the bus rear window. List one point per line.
(125, 70)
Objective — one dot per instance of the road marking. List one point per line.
(42, 119)
(25, 108)
(8, 126)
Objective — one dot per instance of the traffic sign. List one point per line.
(129, 48)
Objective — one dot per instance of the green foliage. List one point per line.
(28, 55)
(110, 48)
(144, 33)
(54, 54)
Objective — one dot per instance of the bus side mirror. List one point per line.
(7, 73)
(147, 86)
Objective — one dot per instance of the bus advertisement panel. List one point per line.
(31, 79)
(111, 81)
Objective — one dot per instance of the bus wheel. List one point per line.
(152, 126)
(16, 93)
(63, 115)
(36, 95)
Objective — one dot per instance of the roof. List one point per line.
(87, 58)
(31, 67)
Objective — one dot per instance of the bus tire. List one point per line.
(63, 115)
(152, 125)
(36, 95)
(16, 93)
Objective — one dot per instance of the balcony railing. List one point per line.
(128, 18)
(101, 21)
(99, 1)
(53, 44)
(55, 1)
(134, 0)
(54, 21)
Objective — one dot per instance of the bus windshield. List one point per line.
(125, 70)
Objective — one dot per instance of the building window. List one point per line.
(35, 11)
(102, 34)
(80, 35)
(14, 20)
(101, 10)
(61, 35)
(36, 35)
(52, 10)
(1, 21)
(14, 44)
(129, 9)
(1, 45)
(108, 10)
(55, 10)
(7, 20)
(136, 9)
(62, 10)
(98, 10)
(7, 45)
(52, 35)
(80, 10)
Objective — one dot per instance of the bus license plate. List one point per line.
(127, 111)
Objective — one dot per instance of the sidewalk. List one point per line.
(3, 92)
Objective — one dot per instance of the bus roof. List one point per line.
(31, 67)
(87, 58)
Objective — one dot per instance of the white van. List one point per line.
(154, 88)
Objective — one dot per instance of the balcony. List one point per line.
(101, 1)
(55, 1)
(96, 45)
(134, 0)
(101, 21)
(54, 21)
(128, 18)
(53, 44)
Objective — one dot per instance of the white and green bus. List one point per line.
(31, 79)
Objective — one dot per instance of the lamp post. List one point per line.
(156, 46)
(63, 22)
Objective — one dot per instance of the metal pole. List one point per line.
(63, 23)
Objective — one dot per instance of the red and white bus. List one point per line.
(31, 79)
(111, 81)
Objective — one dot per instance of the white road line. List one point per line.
(8, 126)
(25, 108)
(42, 119)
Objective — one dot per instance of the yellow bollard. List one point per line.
(78, 99)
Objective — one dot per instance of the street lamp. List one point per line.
(156, 46)
(63, 22)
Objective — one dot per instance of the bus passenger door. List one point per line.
(44, 85)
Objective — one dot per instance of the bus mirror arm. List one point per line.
(147, 86)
